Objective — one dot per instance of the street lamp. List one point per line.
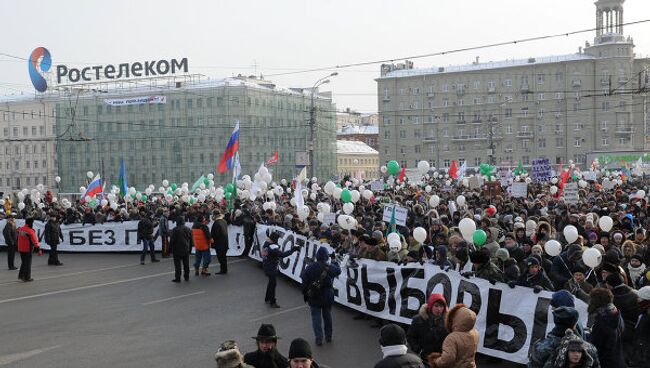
(312, 121)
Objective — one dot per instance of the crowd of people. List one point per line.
(517, 251)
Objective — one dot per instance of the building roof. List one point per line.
(486, 66)
(354, 148)
(358, 129)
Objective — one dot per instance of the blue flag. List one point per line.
(121, 181)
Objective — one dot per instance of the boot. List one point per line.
(204, 271)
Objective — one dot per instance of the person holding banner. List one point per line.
(427, 331)
(52, 235)
(271, 255)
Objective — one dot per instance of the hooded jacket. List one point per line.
(459, 347)
(607, 335)
(427, 331)
(561, 270)
(313, 273)
(561, 355)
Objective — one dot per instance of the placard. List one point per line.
(541, 170)
(329, 218)
(400, 214)
(519, 190)
(571, 193)
(475, 182)
(376, 186)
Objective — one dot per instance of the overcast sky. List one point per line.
(224, 38)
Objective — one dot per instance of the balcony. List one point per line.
(624, 130)
(460, 92)
(431, 95)
(492, 90)
(430, 139)
(467, 138)
(524, 134)
(576, 83)
(386, 98)
(525, 87)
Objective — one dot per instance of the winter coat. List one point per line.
(626, 300)
(53, 233)
(271, 255)
(163, 227)
(145, 229)
(642, 340)
(10, 234)
(219, 234)
(27, 239)
(560, 358)
(407, 360)
(489, 271)
(313, 272)
(543, 351)
(272, 359)
(561, 269)
(202, 237)
(607, 336)
(459, 347)
(540, 280)
(181, 240)
(427, 332)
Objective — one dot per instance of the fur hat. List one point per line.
(228, 355)
(599, 297)
(565, 317)
(502, 254)
(392, 334)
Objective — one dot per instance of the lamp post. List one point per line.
(491, 138)
(312, 122)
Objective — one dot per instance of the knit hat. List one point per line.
(644, 293)
(562, 298)
(613, 280)
(322, 254)
(228, 355)
(502, 254)
(611, 268)
(578, 268)
(565, 317)
(300, 349)
(532, 261)
(436, 298)
(392, 334)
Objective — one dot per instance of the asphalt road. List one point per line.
(107, 310)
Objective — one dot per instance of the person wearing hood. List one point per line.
(542, 351)
(229, 356)
(392, 340)
(460, 346)
(427, 331)
(626, 300)
(442, 260)
(267, 354)
(607, 328)
(180, 243)
(318, 291)
(634, 270)
(483, 267)
(573, 352)
(513, 248)
(562, 264)
(535, 277)
(491, 244)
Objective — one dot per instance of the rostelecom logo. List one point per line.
(39, 62)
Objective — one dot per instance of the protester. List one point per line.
(229, 356)
(266, 355)
(626, 300)
(460, 346)
(318, 292)
(219, 233)
(27, 243)
(427, 330)
(271, 255)
(163, 231)
(180, 243)
(573, 352)
(202, 242)
(606, 328)
(300, 355)
(145, 235)
(52, 236)
(392, 340)
(11, 238)
(641, 355)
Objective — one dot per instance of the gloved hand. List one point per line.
(467, 275)
(492, 281)
(295, 248)
(537, 289)
(512, 284)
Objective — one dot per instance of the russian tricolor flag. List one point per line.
(227, 159)
(95, 187)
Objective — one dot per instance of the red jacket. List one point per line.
(27, 239)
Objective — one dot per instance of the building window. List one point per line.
(508, 129)
(477, 84)
(559, 142)
(446, 163)
(541, 143)
(508, 113)
(604, 142)
(578, 141)
(540, 78)
(508, 82)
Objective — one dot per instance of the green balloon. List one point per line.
(192, 200)
(144, 198)
(133, 196)
(206, 182)
(229, 188)
(479, 237)
(174, 186)
(392, 167)
(228, 195)
(346, 195)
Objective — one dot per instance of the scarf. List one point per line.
(394, 350)
(635, 272)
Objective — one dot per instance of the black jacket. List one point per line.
(145, 229)
(181, 240)
(53, 233)
(607, 337)
(10, 235)
(407, 360)
(626, 300)
(540, 280)
(272, 359)
(427, 333)
(219, 234)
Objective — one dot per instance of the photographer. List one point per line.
(271, 255)
(318, 291)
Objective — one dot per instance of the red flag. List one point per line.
(273, 159)
(402, 175)
(453, 170)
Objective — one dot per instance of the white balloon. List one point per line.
(448, 182)
(320, 217)
(553, 248)
(57, 179)
(113, 206)
(82, 189)
(420, 234)
(465, 182)
(132, 191)
(355, 196)
(367, 194)
(263, 171)
(434, 201)
(293, 202)
(337, 193)
(460, 200)
(582, 183)
(427, 189)
(467, 227)
(348, 208)
(592, 257)
(312, 196)
(605, 223)
(326, 208)
(89, 174)
(210, 177)
(640, 194)
(553, 189)
(383, 169)
(21, 206)
(138, 196)
(267, 178)
(393, 238)
(341, 220)
(148, 191)
(201, 197)
(423, 167)
(570, 233)
(104, 202)
(554, 180)
(329, 187)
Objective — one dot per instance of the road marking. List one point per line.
(11, 358)
(76, 273)
(278, 313)
(93, 286)
(173, 298)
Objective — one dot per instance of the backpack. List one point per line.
(315, 287)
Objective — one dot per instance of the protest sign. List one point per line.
(519, 190)
(541, 170)
(400, 214)
(376, 186)
(571, 195)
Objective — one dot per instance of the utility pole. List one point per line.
(312, 123)
(491, 141)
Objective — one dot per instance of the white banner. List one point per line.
(115, 237)
(508, 319)
(142, 100)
